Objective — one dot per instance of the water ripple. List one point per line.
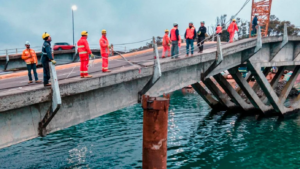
(197, 138)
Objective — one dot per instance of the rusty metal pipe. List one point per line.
(155, 131)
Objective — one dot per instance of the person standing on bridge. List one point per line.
(104, 45)
(174, 36)
(47, 56)
(201, 36)
(219, 30)
(166, 44)
(190, 35)
(84, 52)
(231, 30)
(254, 25)
(29, 56)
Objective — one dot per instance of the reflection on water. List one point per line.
(197, 138)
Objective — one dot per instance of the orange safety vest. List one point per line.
(219, 29)
(190, 33)
(29, 56)
(104, 45)
(173, 34)
(83, 47)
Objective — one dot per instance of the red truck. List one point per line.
(63, 46)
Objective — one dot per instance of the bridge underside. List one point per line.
(220, 94)
(283, 55)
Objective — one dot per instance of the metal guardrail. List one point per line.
(18, 50)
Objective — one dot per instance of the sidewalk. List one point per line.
(71, 65)
(66, 66)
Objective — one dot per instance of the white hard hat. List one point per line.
(175, 24)
(27, 43)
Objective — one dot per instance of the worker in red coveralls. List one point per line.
(166, 44)
(231, 30)
(104, 45)
(84, 51)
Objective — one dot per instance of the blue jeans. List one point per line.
(32, 67)
(174, 49)
(189, 42)
(46, 71)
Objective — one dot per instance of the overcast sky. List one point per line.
(124, 20)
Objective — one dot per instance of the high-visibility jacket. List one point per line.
(173, 34)
(104, 45)
(83, 47)
(190, 33)
(219, 29)
(232, 27)
(29, 56)
(166, 40)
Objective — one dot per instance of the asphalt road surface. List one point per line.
(22, 81)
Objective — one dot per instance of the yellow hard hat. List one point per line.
(166, 30)
(103, 31)
(84, 33)
(45, 35)
(233, 20)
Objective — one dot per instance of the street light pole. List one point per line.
(74, 7)
(73, 24)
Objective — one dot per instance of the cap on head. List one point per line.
(27, 43)
(191, 23)
(233, 20)
(203, 22)
(45, 35)
(103, 31)
(166, 30)
(175, 24)
(84, 33)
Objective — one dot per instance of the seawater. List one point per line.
(197, 138)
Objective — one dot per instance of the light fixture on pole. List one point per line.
(74, 8)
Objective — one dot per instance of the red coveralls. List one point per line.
(231, 30)
(84, 52)
(166, 46)
(104, 53)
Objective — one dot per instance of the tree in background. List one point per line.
(276, 27)
(243, 26)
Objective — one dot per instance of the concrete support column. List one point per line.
(255, 87)
(248, 78)
(287, 88)
(275, 81)
(213, 103)
(277, 77)
(155, 132)
(223, 99)
(237, 99)
(267, 89)
(249, 92)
